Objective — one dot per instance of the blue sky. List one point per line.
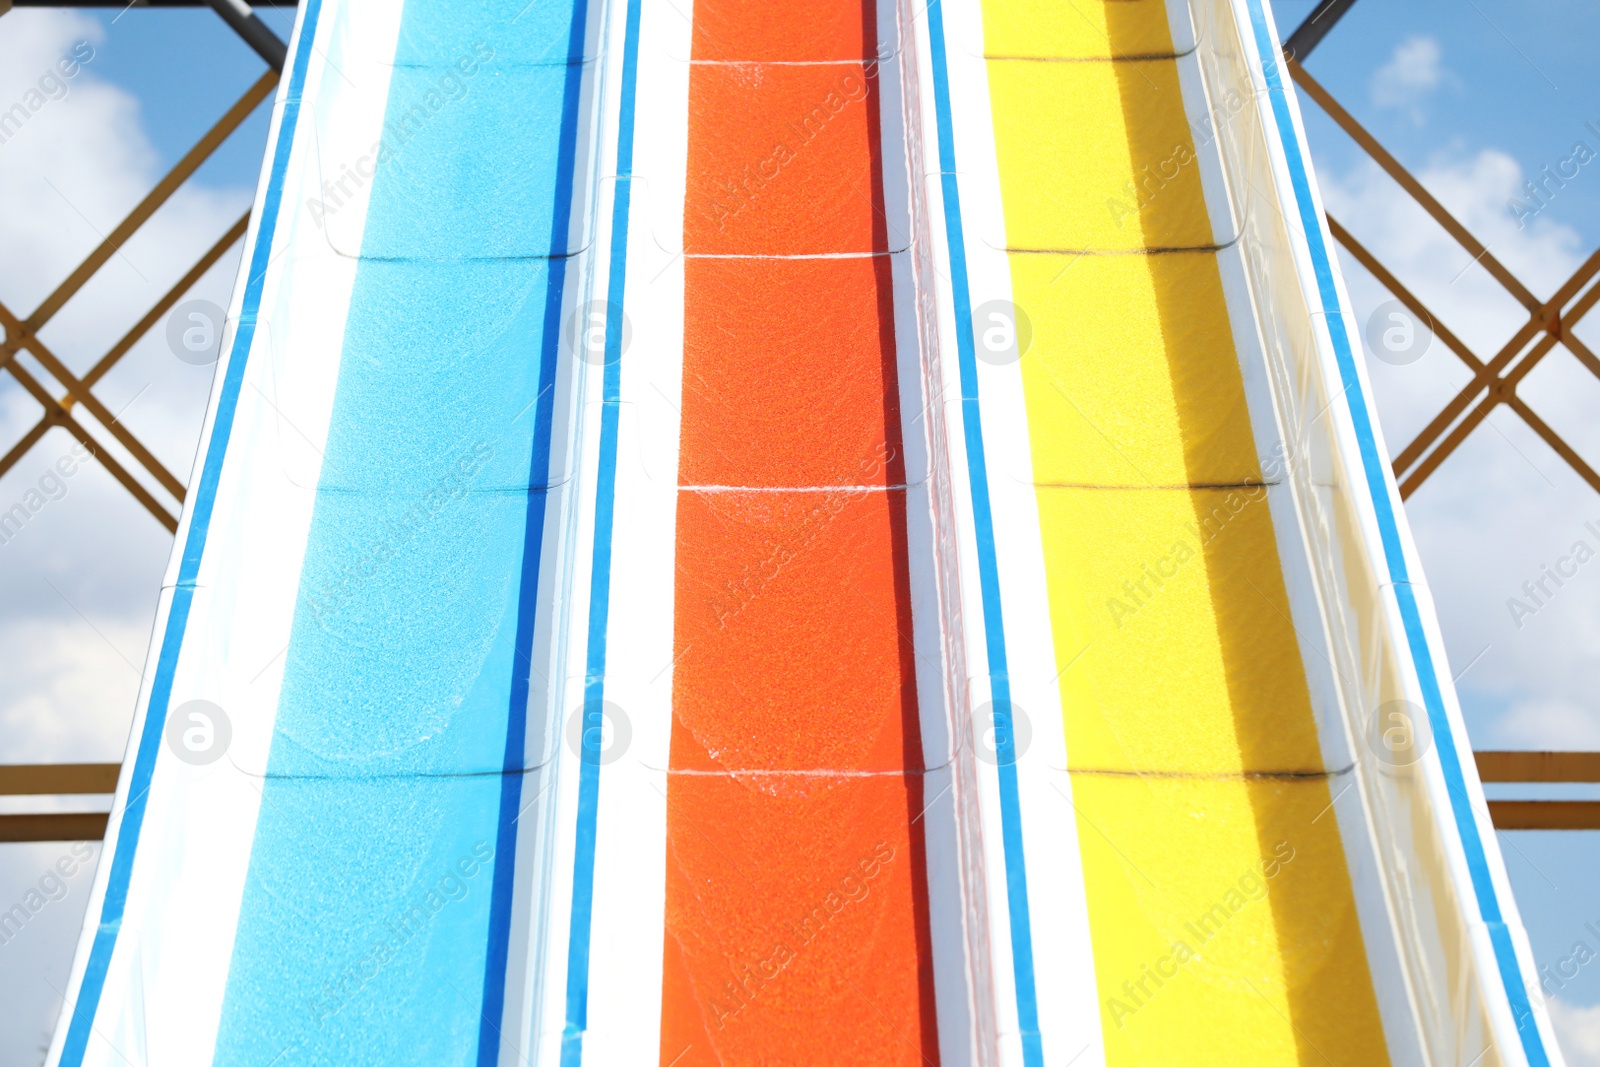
(186, 67)
(1519, 76)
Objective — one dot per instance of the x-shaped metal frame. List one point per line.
(22, 335)
(1494, 382)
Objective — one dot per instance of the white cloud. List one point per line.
(1551, 724)
(1414, 72)
(70, 689)
(1578, 1031)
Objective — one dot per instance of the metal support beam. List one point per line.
(1392, 167)
(247, 24)
(101, 778)
(1316, 26)
(56, 826)
(57, 416)
(162, 306)
(231, 120)
(18, 339)
(1520, 767)
(59, 779)
(1538, 766)
(1497, 383)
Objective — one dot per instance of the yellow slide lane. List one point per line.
(1220, 904)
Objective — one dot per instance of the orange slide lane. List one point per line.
(796, 927)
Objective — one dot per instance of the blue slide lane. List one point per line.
(376, 909)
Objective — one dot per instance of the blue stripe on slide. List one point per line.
(582, 922)
(204, 498)
(375, 911)
(988, 567)
(1376, 471)
(494, 978)
(516, 736)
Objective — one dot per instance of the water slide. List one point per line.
(836, 533)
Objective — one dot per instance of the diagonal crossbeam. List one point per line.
(1487, 383)
(1493, 382)
(16, 341)
(1423, 455)
(63, 405)
(1310, 33)
(56, 415)
(1496, 384)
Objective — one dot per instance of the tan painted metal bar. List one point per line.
(1519, 766)
(1562, 333)
(58, 779)
(123, 346)
(1497, 395)
(186, 166)
(22, 334)
(1545, 814)
(1546, 316)
(1514, 767)
(1549, 312)
(62, 826)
